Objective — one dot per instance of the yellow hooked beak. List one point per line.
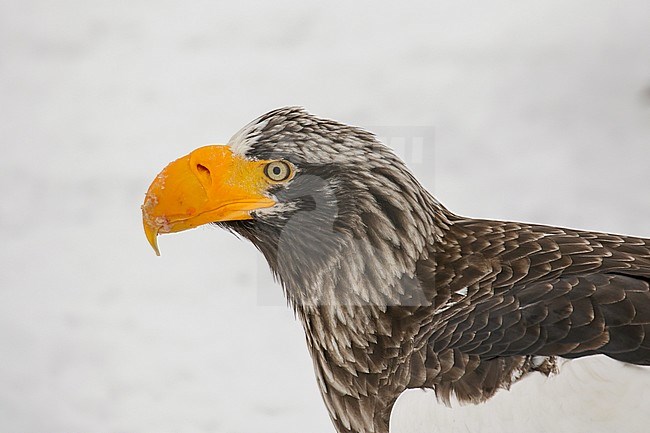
(208, 185)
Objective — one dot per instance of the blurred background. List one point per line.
(541, 112)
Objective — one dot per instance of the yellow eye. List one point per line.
(278, 171)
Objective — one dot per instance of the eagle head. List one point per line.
(313, 195)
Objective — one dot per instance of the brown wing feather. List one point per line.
(510, 297)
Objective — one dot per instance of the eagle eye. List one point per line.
(278, 171)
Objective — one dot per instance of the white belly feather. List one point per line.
(594, 394)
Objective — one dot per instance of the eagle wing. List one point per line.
(508, 298)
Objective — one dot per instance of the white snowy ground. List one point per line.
(541, 113)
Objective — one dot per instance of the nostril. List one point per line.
(204, 173)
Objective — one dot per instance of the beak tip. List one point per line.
(152, 237)
(153, 241)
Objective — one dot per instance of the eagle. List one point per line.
(394, 291)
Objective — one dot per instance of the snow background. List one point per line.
(541, 113)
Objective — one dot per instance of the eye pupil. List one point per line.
(277, 170)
